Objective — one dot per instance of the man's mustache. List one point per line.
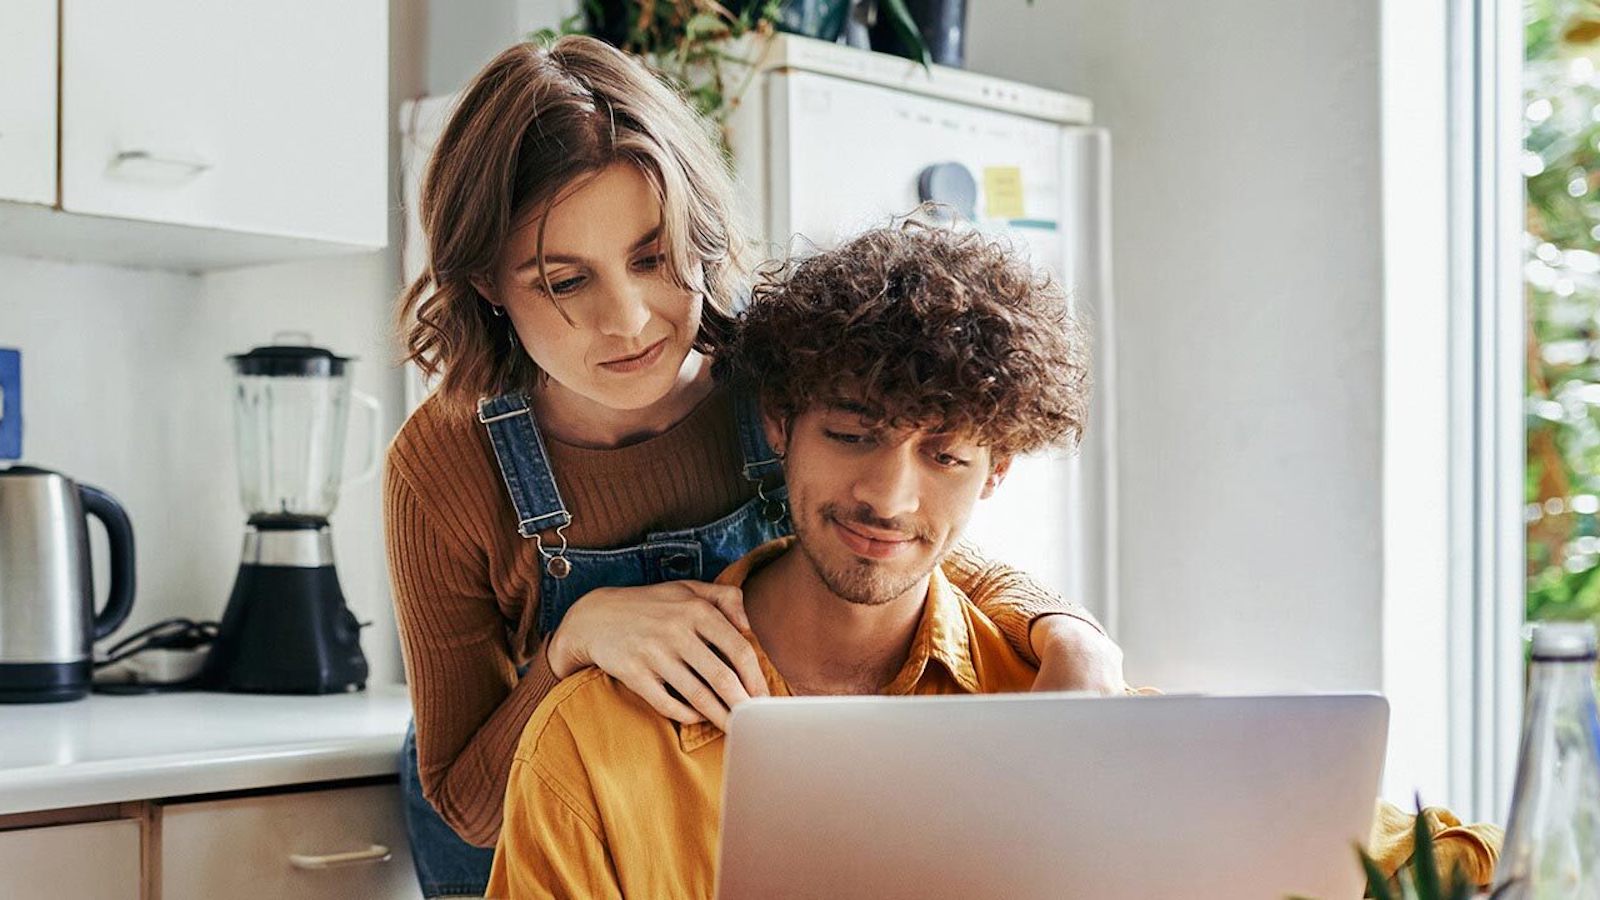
(863, 515)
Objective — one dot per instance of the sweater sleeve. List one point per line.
(469, 704)
(1011, 598)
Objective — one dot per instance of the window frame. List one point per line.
(1487, 590)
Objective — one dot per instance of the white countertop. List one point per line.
(107, 749)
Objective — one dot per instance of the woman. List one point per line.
(567, 494)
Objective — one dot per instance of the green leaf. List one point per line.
(1377, 884)
(573, 24)
(1424, 868)
(702, 26)
(905, 28)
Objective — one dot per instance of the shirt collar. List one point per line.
(942, 635)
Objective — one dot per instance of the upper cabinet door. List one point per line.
(28, 45)
(260, 116)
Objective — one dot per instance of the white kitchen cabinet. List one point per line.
(93, 861)
(28, 45)
(259, 118)
(331, 843)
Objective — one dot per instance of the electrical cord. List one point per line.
(176, 633)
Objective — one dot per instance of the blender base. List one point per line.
(286, 630)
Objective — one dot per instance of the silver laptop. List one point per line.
(1050, 796)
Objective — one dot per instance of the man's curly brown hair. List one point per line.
(924, 327)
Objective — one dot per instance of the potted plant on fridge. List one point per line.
(686, 40)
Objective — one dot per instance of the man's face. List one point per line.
(876, 509)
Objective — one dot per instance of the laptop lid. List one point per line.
(1050, 796)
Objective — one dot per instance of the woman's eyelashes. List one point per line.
(565, 285)
(562, 287)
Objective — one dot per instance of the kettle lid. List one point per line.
(21, 470)
(291, 360)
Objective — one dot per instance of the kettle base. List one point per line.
(44, 682)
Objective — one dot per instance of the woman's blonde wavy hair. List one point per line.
(527, 128)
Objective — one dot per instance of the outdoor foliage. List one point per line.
(1561, 165)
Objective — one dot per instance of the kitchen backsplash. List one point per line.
(127, 389)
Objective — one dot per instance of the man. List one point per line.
(898, 376)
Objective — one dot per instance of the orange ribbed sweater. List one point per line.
(466, 585)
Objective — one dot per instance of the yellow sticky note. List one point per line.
(1002, 192)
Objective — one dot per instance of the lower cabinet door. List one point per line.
(95, 861)
(336, 843)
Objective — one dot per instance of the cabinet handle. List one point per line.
(160, 164)
(377, 853)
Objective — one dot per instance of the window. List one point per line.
(1560, 163)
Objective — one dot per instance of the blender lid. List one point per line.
(290, 359)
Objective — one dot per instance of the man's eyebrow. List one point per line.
(874, 418)
(850, 407)
(645, 240)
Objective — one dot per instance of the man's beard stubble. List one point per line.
(860, 581)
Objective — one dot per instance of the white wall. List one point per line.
(1248, 272)
(126, 388)
(107, 369)
(1417, 398)
(1272, 538)
(461, 37)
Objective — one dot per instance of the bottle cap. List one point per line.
(1564, 640)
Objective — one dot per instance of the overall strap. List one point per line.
(760, 463)
(524, 464)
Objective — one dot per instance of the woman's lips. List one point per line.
(871, 545)
(635, 363)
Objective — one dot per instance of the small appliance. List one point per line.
(47, 620)
(286, 629)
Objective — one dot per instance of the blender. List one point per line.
(287, 629)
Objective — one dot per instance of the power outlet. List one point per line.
(10, 404)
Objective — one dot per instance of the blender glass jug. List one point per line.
(291, 405)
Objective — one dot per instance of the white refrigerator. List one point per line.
(828, 140)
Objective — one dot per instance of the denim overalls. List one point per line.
(447, 865)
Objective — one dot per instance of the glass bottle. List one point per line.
(1552, 846)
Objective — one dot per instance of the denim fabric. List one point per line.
(447, 865)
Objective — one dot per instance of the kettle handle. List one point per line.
(119, 602)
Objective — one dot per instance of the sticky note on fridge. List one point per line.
(10, 404)
(1002, 192)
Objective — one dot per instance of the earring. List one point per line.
(496, 309)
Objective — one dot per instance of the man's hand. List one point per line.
(1074, 656)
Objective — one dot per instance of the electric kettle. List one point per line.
(47, 619)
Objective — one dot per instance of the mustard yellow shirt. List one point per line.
(609, 799)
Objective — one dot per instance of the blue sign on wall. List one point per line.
(10, 404)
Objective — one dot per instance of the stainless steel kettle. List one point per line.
(47, 619)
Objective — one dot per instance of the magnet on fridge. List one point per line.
(10, 404)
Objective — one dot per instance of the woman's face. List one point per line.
(627, 328)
